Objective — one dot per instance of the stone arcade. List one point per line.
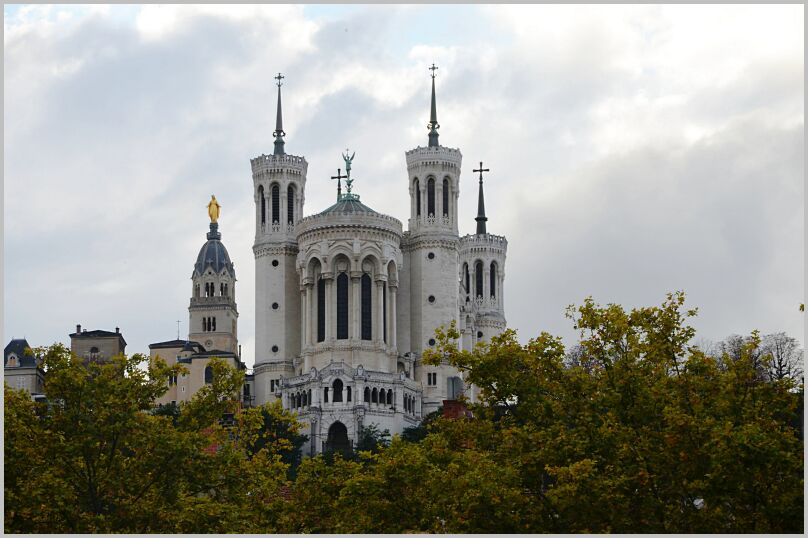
(346, 300)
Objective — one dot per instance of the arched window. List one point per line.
(337, 390)
(276, 204)
(308, 398)
(93, 352)
(262, 201)
(430, 197)
(417, 198)
(221, 289)
(204, 324)
(214, 323)
(381, 396)
(321, 310)
(445, 197)
(348, 395)
(367, 394)
(466, 278)
(196, 290)
(305, 401)
(367, 326)
(478, 279)
(493, 277)
(389, 397)
(374, 396)
(342, 306)
(208, 375)
(290, 204)
(325, 394)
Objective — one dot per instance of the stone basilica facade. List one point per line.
(346, 299)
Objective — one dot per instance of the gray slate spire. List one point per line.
(279, 134)
(433, 117)
(481, 218)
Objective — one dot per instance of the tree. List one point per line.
(279, 432)
(785, 357)
(96, 459)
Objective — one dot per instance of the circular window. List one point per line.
(431, 341)
(431, 299)
(274, 349)
(274, 306)
(479, 334)
(274, 263)
(431, 255)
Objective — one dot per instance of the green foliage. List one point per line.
(632, 430)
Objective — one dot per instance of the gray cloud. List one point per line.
(621, 166)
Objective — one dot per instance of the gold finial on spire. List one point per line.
(213, 209)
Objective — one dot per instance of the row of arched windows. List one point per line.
(300, 399)
(209, 324)
(337, 396)
(275, 204)
(366, 310)
(409, 404)
(478, 279)
(430, 197)
(379, 396)
(210, 289)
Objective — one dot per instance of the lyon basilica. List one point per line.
(346, 299)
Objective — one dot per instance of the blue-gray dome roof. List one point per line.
(348, 205)
(214, 255)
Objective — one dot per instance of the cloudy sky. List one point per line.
(633, 150)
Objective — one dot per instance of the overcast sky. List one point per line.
(633, 151)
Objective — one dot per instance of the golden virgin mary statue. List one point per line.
(213, 209)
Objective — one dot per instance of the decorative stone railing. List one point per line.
(276, 228)
(421, 156)
(497, 241)
(218, 299)
(266, 163)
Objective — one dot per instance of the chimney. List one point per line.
(78, 327)
(117, 330)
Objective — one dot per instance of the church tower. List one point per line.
(279, 182)
(213, 316)
(482, 276)
(431, 248)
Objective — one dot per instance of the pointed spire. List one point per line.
(433, 117)
(279, 134)
(481, 218)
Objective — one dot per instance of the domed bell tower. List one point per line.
(213, 316)
(279, 182)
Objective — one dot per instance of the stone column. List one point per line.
(356, 306)
(329, 307)
(309, 314)
(487, 283)
(379, 322)
(303, 320)
(422, 194)
(438, 200)
(393, 289)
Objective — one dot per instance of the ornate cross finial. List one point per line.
(339, 177)
(481, 170)
(433, 69)
(279, 78)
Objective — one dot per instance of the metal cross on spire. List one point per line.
(279, 133)
(433, 69)
(433, 125)
(339, 177)
(481, 170)
(279, 77)
(481, 218)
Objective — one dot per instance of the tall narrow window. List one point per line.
(367, 394)
(263, 202)
(337, 390)
(430, 197)
(493, 277)
(204, 324)
(367, 327)
(325, 394)
(417, 198)
(208, 375)
(348, 395)
(466, 277)
(321, 310)
(445, 197)
(478, 279)
(342, 307)
(290, 205)
(276, 204)
(384, 312)
(214, 323)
